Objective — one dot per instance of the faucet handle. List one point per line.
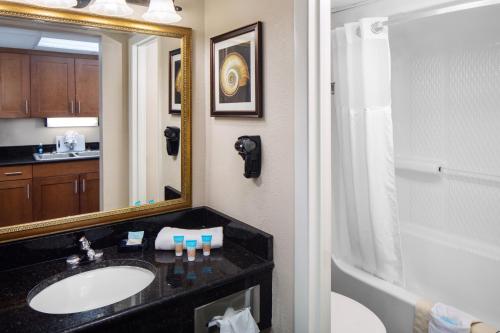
(84, 243)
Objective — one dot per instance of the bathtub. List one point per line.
(437, 267)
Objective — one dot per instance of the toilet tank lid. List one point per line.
(349, 316)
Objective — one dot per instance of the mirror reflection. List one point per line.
(89, 120)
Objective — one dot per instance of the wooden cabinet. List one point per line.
(55, 197)
(41, 84)
(15, 202)
(65, 188)
(15, 172)
(52, 86)
(87, 87)
(89, 192)
(14, 85)
(48, 190)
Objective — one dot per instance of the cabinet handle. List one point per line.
(16, 173)
(28, 191)
(79, 107)
(26, 107)
(76, 186)
(83, 185)
(72, 107)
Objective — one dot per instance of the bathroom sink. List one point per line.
(88, 153)
(91, 289)
(66, 156)
(53, 156)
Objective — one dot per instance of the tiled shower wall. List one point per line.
(446, 108)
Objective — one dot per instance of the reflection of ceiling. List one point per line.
(29, 40)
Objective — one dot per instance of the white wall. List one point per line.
(267, 202)
(114, 116)
(26, 132)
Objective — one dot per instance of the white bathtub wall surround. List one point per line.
(445, 101)
(446, 78)
(366, 190)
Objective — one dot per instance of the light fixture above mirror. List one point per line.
(162, 11)
(159, 11)
(111, 8)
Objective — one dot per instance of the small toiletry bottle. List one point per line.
(191, 249)
(179, 244)
(206, 242)
(40, 149)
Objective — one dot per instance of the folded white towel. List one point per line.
(236, 322)
(165, 238)
(446, 319)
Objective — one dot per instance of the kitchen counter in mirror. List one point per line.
(167, 304)
(22, 155)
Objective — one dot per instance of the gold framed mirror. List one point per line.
(31, 185)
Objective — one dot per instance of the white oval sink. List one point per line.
(92, 289)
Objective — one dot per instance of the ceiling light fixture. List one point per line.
(72, 122)
(111, 8)
(54, 3)
(68, 44)
(162, 11)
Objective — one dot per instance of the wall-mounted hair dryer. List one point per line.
(173, 138)
(249, 148)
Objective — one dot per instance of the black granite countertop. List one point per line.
(175, 278)
(22, 155)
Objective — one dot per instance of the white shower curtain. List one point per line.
(367, 226)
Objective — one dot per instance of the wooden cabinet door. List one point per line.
(14, 85)
(15, 202)
(87, 87)
(55, 197)
(52, 86)
(89, 192)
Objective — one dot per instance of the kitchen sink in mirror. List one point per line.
(94, 125)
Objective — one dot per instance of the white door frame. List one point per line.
(313, 189)
(137, 132)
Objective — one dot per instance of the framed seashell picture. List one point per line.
(175, 82)
(236, 73)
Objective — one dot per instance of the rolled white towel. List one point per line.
(165, 238)
(447, 319)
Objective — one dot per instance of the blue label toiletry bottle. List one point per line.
(40, 148)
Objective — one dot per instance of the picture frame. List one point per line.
(236, 82)
(175, 82)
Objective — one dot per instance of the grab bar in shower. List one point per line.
(471, 174)
(439, 168)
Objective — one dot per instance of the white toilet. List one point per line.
(349, 316)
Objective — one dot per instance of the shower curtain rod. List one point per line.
(452, 7)
(456, 6)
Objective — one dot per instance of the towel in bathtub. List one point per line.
(447, 319)
(440, 318)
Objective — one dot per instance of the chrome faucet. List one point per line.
(91, 254)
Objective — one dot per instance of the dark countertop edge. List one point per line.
(165, 300)
(14, 162)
